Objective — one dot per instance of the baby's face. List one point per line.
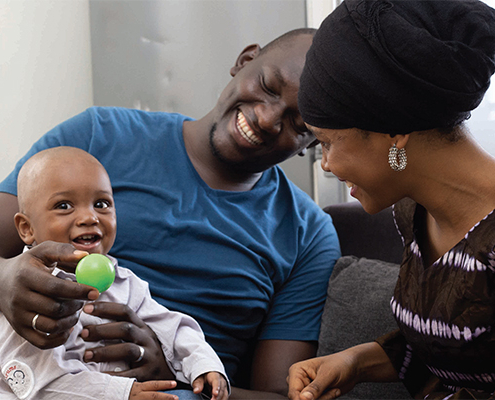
(74, 204)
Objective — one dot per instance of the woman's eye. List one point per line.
(63, 206)
(102, 204)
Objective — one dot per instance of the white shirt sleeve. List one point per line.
(34, 374)
(184, 346)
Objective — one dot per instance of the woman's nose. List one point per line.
(325, 165)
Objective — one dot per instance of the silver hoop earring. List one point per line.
(397, 158)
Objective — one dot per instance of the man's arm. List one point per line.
(28, 288)
(271, 363)
(11, 244)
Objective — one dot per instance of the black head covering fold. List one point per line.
(398, 66)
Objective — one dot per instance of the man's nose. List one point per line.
(270, 115)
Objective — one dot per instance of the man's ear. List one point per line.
(314, 143)
(248, 54)
(23, 226)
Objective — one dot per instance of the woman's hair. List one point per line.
(452, 134)
(396, 66)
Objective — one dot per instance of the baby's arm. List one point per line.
(187, 353)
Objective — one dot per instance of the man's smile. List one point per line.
(246, 131)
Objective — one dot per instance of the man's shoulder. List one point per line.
(286, 185)
(296, 199)
(133, 113)
(128, 123)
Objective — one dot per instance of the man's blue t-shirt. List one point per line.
(243, 264)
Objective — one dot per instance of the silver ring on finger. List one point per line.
(141, 353)
(33, 324)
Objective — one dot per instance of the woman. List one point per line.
(385, 89)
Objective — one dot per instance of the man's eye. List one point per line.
(63, 206)
(265, 87)
(102, 204)
(300, 128)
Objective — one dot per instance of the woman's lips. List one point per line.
(353, 188)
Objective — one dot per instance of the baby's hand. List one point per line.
(215, 381)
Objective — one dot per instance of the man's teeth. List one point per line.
(349, 184)
(246, 131)
(87, 237)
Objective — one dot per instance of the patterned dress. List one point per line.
(445, 345)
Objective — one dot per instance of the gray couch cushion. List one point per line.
(357, 310)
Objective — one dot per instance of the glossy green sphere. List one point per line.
(95, 270)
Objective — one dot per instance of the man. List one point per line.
(205, 217)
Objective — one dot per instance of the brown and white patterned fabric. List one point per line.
(445, 346)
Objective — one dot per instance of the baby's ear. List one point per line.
(23, 226)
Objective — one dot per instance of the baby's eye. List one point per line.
(102, 204)
(63, 205)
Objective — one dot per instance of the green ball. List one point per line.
(95, 270)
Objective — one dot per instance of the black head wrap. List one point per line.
(398, 66)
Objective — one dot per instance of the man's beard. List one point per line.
(253, 165)
(237, 166)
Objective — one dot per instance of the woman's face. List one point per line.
(361, 160)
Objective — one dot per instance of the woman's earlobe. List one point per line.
(400, 140)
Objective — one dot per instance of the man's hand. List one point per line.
(140, 347)
(150, 390)
(29, 289)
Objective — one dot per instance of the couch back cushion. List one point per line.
(365, 235)
(357, 310)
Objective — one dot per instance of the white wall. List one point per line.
(482, 121)
(45, 70)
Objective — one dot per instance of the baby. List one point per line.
(65, 195)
